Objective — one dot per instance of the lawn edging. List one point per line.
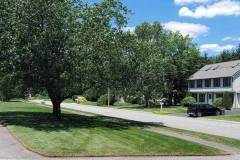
(220, 120)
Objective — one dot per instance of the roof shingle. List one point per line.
(224, 69)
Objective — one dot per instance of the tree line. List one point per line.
(68, 47)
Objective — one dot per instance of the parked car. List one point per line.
(200, 110)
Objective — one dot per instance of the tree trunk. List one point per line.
(56, 109)
(170, 97)
(146, 102)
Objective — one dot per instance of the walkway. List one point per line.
(11, 149)
(227, 149)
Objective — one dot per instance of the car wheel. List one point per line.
(218, 113)
(199, 114)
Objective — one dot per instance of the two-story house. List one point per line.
(211, 81)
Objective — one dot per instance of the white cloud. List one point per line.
(228, 38)
(131, 29)
(191, 29)
(185, 2)
(215, 47)
(224, 8)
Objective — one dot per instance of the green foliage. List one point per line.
(92, 94)
(81, 100)
(188, 101)
(42, 96)
(159, 63)
(52, 41)
(10, 88)
(133, 99)
(103, 100)
(227, 55)
(227, 100)
(218, 102)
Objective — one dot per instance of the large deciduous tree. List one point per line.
(101, 37)
(55, 42)
(160, 62)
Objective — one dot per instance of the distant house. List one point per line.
(211, 81)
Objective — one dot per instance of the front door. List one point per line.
(210, 98)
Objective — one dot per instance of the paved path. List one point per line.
(227, 149)
(214, 127)
(11, 149)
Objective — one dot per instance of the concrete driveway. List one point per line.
(214, 127)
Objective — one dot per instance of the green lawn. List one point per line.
(218, 139)
(226, 117)
(91, 103)
(82, 135)
(69, 100)
(166, 110)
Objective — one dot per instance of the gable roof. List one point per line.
(224, 69)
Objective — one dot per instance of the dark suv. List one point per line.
(200, 110)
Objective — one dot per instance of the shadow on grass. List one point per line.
(44, 121)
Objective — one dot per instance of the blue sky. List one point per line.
(213, 24)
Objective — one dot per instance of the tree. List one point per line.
(218, 102)
(52, 41)
(146, 62)
(227, 100)
(186, 59)
(104, 50)
(11, 87)
(187, 101)
(227, 55)
(161, 62)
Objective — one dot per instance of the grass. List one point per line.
(69, 100)
(156, 110)
(82, 135)
(218, 139)
(39, 96)
(90, 103)
(227, 117)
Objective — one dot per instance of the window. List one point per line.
(216, 82)
(199, 83)
(192, 84)
(227, 82)
(202, 98)
(208, 83)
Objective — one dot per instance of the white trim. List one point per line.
(216, 90)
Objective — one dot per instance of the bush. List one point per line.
(188, 101)
(10, 87)
(133, 100)
(91, 95)
(103, 100)
(218, 102)
(227, 100)
(81, 100)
